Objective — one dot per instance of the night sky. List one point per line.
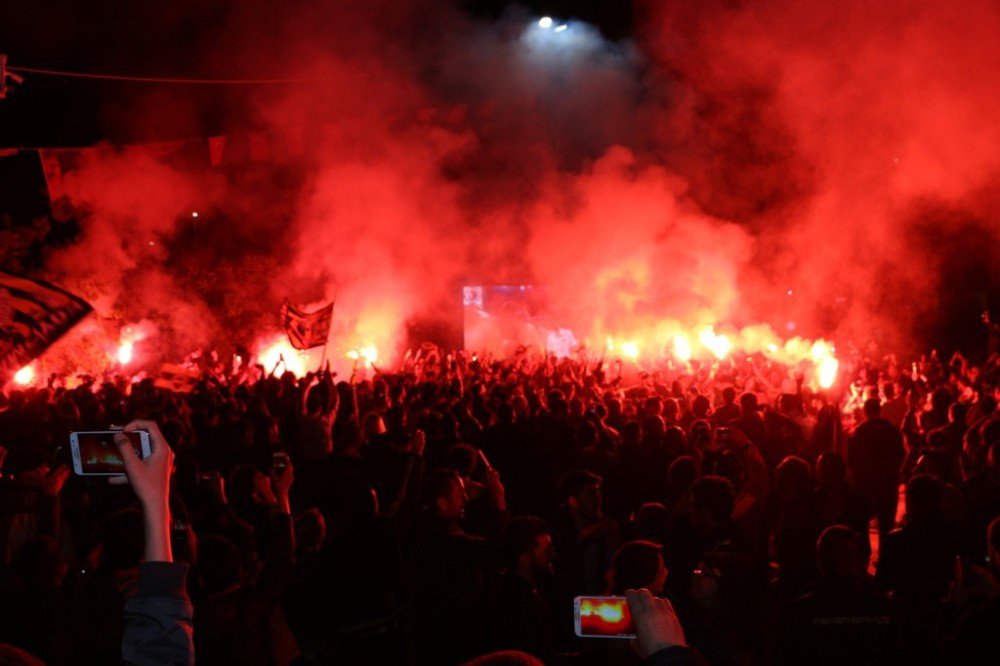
(177, 39)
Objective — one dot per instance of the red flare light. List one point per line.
(282, 352)
(24, 376)
(368, 354)
(125, 353)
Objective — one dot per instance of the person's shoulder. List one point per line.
(978, 483)
(861, 426)
(889, 427)
(512, 586)
(562, 522)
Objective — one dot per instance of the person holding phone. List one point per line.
(660, 639)
(158, 619)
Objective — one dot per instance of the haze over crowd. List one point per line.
(817, 168)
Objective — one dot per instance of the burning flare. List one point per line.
(25, 375)
(282, 352)
(125, 353)
(368, 354)
(719, 345)
(682, 348)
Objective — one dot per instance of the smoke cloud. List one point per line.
(729, 155)
(854, 140)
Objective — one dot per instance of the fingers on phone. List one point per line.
(140, 424)
(639, 601)
(125, 448)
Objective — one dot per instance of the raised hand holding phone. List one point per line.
(150, 478)
(656, 623)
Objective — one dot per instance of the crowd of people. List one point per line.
(449, 511)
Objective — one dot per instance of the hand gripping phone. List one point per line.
(96, 454)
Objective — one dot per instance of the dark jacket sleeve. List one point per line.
(279, 567)
(677, 656)
(158, 618)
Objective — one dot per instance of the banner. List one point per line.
(177, 378)
(306, 330)
(33, 315)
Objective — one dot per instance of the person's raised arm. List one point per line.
(407, 500)
(332, 402)
(150, 479)
(158, 619)
(304, 388)
(50, 517)
(497, 497)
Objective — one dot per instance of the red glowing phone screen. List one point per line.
(604, 616)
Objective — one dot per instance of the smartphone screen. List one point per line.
(603, 617)
(96, 454)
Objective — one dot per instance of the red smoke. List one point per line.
(863, 134)
(692, 179)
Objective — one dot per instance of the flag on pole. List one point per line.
(33, 315)
(306, 330)
(177, 378)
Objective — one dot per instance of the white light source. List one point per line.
(25, 375)
(194, 214)
(828, 371)
(545, 22)
(561, 28)
(125, 353)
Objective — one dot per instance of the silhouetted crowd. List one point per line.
(450, 511)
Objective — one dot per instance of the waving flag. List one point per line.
(33, 315)
(306, 330)
(177, 378)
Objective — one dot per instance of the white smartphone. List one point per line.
(96, 454)
(602, 617)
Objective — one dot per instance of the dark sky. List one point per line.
(171, 39)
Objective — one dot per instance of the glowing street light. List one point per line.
(561, 28)
(545, 22)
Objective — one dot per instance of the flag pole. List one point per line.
(322, 359)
